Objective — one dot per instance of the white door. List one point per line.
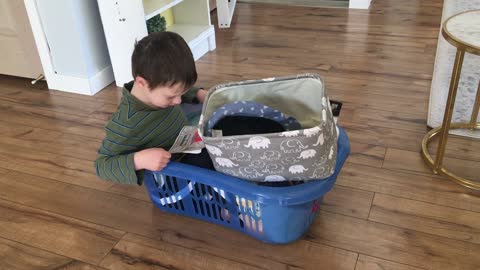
(18, 52)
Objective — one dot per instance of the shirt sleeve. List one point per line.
(115, 160)
(191, 96)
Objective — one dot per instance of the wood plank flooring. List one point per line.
(387, 210)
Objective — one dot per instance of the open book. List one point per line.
(188, 141)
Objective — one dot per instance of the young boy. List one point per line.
(148, 119)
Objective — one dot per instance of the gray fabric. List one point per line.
(292, 155)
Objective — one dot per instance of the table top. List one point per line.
(463, 31)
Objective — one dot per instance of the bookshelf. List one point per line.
(124, 22)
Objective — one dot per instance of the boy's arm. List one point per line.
(194, 96)
(115, 159)
(117, 168)
(191, 96)
(115, 165)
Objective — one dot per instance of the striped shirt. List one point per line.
(133, 127)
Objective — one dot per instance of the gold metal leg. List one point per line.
(442, 131)
(447, 118)
(473, 184)
(476, 108)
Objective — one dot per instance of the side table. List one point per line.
(463, 32)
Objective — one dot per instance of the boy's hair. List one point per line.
(164, 59)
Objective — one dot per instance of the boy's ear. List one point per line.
(140, 81)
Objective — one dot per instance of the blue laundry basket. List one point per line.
(272, 214)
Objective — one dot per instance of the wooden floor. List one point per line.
(387, 210)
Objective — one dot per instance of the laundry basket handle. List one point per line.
(336, 107)
(184, 192)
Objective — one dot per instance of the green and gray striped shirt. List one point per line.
(133, 127)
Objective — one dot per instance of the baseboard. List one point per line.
(466, 133)
(101, 80)
(82, 86)
(203, 43)
(359, 4)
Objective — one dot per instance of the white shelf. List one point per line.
(154, 7)
(124, 24)
(225, 10)
(189, 32)
(198, 37)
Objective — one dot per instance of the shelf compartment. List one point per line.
(155, 7)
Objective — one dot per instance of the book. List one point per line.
(188, 141)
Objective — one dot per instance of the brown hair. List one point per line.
(164, 59)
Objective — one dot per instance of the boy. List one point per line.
(148, 119)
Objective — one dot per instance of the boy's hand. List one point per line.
(201, 95)
(153, 159)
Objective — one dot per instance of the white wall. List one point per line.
(74, 33)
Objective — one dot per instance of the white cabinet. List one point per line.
(17, 48)
(71, 44)
(124, 23)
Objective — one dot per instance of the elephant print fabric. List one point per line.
(293, 155)
(302, 155)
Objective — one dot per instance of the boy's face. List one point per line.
(166, 96)
(160, 96)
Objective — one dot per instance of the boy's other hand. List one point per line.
(153, 159)
(201, 95)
